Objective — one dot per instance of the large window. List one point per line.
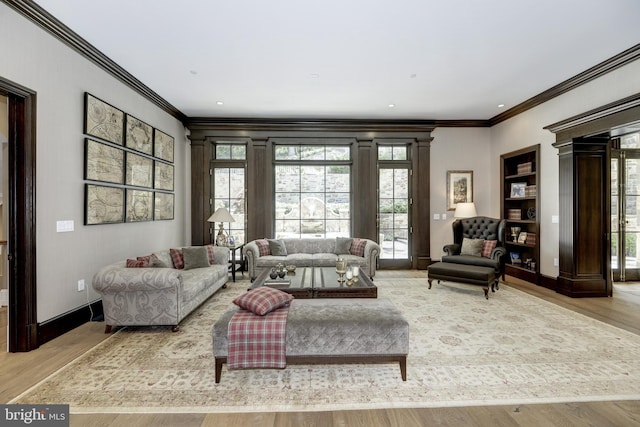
(312, 190)
(228, 187)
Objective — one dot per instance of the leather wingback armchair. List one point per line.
(478, 227)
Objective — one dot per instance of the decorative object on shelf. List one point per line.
(531, 213)
(515, 214)
(273, 274)
(465, 210)
(341, 269)
(291, 269)
(230, 241)
(524, 168)
(281, 270)
(356, 272)
(517, 189)
(514, 233)
(459, 188)
(515, 258)
(221, 215)
(522, 237)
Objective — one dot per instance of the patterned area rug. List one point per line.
(464, 350)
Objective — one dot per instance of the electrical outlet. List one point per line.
(80, 285)
(556, 262)
(436, 217)
(443, 216)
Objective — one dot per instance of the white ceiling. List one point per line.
(435, 60)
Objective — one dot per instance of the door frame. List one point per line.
(21, 248)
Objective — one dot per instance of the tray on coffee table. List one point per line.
(318, 282)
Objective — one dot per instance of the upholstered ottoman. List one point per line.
(463, 273)
(335, 330)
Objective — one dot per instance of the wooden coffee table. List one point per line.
(319, 282)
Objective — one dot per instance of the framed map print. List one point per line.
(139, 135)
(163, 176)
(103, 162)
(163, 206)
(139, 171)
(103, 205)
(163, 146)
(102, 120)
(139, 205)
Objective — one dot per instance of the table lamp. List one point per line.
(221, 215)
(465, 210)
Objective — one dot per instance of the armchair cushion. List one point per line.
(471, 246)
(487, 248)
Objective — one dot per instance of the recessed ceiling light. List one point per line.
(194, 72)
(315, 75)
(219, 103)
(413, 76)
(500, 105)
(392, 105)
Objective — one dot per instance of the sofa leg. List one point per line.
(175, 328)
(224, 286)
(107, 329)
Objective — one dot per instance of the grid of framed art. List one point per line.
(128, 167)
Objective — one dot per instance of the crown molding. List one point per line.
(49, 23)
(611, 64)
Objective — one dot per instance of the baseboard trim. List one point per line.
(62, 324)
(549, 282)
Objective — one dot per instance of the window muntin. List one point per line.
(312, 191)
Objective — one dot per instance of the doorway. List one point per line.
(625, 208)
(20, 203)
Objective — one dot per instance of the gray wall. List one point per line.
(60, 77)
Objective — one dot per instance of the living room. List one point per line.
(37, 63)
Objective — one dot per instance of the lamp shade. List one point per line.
(221, 215)
(465, 210)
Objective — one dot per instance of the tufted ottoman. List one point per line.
(471, 274)
(336, 330)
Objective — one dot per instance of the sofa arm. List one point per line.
(117, 278)
(452, 249)
(251, 252)
(498, 252)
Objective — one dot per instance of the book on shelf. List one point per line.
(277, 282)
(530, 191)
(525, 168)
(514, 214)
(531, 238)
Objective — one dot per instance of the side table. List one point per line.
(236, 263)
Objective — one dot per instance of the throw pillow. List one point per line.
(146, 259)
(134, 263)
(176, 258)
(343, 244)
(471, 246)
(357, 247)
(263, 300)
(195, 257)
(277, 247)
(487, 247)
(263, 247)
(211, 253)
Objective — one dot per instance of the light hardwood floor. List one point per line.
(19, 371)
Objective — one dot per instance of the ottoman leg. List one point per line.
(486, 292)
(429, 280)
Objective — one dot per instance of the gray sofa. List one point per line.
(308, 252)
(157, 295)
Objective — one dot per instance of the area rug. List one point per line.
(464, 350)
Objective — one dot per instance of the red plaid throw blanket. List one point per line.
(257, 341)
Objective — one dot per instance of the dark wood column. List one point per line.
(584, 216)
(259, 190)
(421, 205)
(200, 190)
(364, 192)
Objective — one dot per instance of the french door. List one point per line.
(625, 214)
(394, 214)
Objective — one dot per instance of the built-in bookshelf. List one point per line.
(520, 203)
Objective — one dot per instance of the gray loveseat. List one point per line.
(157, 295)
(308, 252)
